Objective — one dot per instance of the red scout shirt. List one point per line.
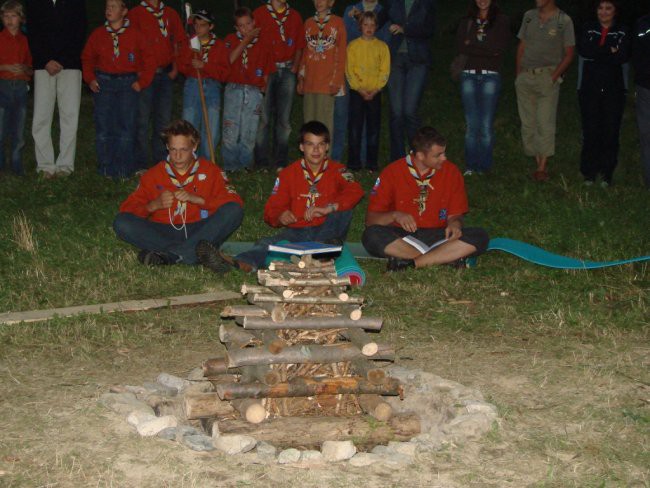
(291, 190)
(294, 35)
(165, 48)
(217, 66)
(14, 50)
(397, 189)
(135, 55)
(260, 63)
(209, 183)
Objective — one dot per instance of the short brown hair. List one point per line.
(315, 127)
(15, 7)
(425, 138)
(242, 12)
(180, 127)
(369, 14)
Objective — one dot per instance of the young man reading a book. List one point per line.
(312, 200)
(423, 196)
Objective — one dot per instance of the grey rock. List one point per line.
(168, 434)
(475, 406)
(171, 381)
(124, 403)
(199, 387)
(396, 460)
(361, 459)
(289, 456)
(379, 449)
(311, 457)
(158, 389)
(186, 430)
(406, 448)
(470, 426)
(266, 450)
(137, 418)
(196, 375)
(234, 444)
(152, 427)
(199, 442)
(334, 451)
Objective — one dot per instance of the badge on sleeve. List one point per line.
(442, 215)
(289, 42)
(131, 57)
(204, 213)
(374, 188)
(259, 73)
(346, 174)
(202, 176)
(276, 186)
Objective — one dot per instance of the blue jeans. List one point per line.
(13, 113)
(154, 236)
(364, 115)
(276, 111)
(193, 112)
(155, 106)
(336, 226)
(405, 87)
(643, 122)
(115, 124)
(241, 113)
(480, 95)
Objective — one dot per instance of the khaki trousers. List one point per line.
(319, 106)
(537, 99)
(64, 90)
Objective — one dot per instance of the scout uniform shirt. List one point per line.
(253, 65)
(545, 43)
(283, 31)
(14, 50)
(208, 182)
(215, 56)
(323, 62)
(397, 189)
(333, 184)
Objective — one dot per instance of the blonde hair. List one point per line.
(15, 7)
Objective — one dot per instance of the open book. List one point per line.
(302, 248)
(421, 246)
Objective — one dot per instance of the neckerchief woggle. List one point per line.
(181, 206)
(157, 14)
(423, 183)
(313, 191)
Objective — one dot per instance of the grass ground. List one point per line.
(563, 354)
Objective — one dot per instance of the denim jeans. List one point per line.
(13, 112)
(241, 114)
(480, 95)
(405, 88)
(643, 122)
(155, 106)
(154, 236)
(276, 112)
(193, 111)
(336, 226)
(364, 114)
(115, 124)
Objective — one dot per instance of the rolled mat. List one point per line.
(345, 264)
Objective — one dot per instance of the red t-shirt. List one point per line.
(165, 48)
(260, 63)
(294, 35)
(291, 189)
(14, 50)
(397, 189)
(217, 66)
(135, 55)
(209, 183)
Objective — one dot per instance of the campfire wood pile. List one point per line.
(300, 350)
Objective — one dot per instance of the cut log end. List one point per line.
(344, 297)
(251, 410)
(356, 314)
(370, 349)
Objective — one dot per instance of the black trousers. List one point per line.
(361, 111)
(602, 112)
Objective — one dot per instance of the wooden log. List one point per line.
(367, 369)
(271, 341)
(200, 405)
(269, 298)
(293, 269)
(311, 432)
(353, 313)
(384, 353)
(307, 387)
(312, 323)
(262, 373)
(280, 282)
(217, 367)
(230, 333)
(362, 340)
(246, 289)
(251, 410)
(244, 311)
(375, 406)
(300, 354)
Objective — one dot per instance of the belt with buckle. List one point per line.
(480, 72)
(284, 64)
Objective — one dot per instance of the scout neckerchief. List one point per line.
(313, 191)
(244, 53)
(115, 35)
(205, 47)
(423, 183)
(481, 25)
(157, 14)
(181, 207)
(321, 27)
(279, 20)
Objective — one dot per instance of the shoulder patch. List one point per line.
(276, 186)
(376, 186)
(346, 174)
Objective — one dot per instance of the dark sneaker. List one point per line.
(210, 257)
(399, 264)
(154, 258)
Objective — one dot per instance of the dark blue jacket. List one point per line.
(419, 27)
(641, 52)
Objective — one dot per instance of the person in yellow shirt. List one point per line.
(367, 69)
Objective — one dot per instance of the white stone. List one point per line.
(124, 403)
(137, 417)
(196, 375)
(474, 406)
(470, 426)
(171, 381)
(234, 444)
(379, 449)
(406, 448)
(152, 427)
(289, 456)
(361, 459)
(266, 450)
(338, 450)
(311, 457)
(198, 387)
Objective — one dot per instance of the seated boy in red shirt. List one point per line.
(422, 195)
(183, 209)
(312, 200)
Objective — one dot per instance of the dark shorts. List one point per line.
(376, 237)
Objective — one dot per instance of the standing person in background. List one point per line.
(212, 65)
(321, 76)
(281, 27)
(545, 51)
(367, 70)
(117, 65)
(15, 73)
(412, 25)
(641, 59)
(603, 46)
(56, 33)
(163, 29)
(483, 37)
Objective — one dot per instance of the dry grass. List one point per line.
(23, 233)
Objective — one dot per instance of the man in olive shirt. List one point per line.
(546, 47)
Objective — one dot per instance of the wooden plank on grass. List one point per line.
(126, 306)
